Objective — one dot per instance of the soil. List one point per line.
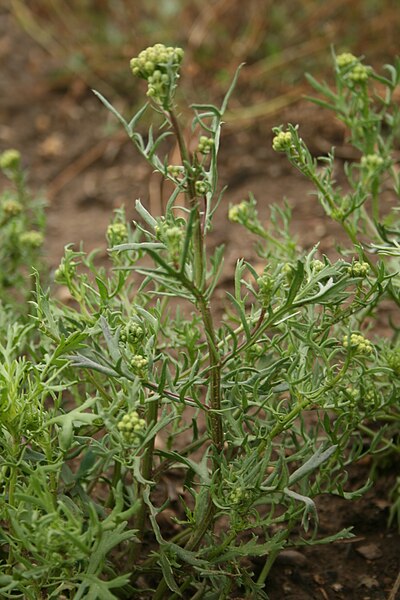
(85, 167)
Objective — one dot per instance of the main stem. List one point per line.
(215, 419)
(202, 303)
(147, 468)
(198, 242)
(199, 264)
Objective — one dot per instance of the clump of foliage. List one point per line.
(256, 415)
(22, 224)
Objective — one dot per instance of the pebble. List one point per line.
(369, 551)
(368, 582)
(292, 557)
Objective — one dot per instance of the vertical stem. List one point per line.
(147, 468)
(375, 199)
(200, 267)
(198, 242)
(215, 419)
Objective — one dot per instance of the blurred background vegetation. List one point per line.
(94, 40)
(53, 52)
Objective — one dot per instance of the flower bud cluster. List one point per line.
(359, 269)
(255, 351)
(172, 236)
(359, 73)
(371, 161)
(11, 208)
(317, 265)
(131, 334)
(345, 60)
(205, 145)
(10, 160)
(364, 395)
(239, 496)
(265, 288)
(33, 239)
(117, 233)
(201, 188)
(393, 360)
(282, 141)
(132, 427)
(159, 65)
(354, 69)
(358, 343)
(175, 171)
(240, 213)
(352, 392)
(139, 365)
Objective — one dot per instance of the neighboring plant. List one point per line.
(22, 225)
(136, 382)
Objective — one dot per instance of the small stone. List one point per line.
(369, 551)
(292, 557)
(337, 587)
(368, 582)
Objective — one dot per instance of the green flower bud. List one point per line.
(34, 239)
(159, 65)
(11, 208)
(149, 67)
(201, 188)
(132, 427)
(345, 59)
(282, 141)
(10, 160)
(359, 269)
(239, 213)
(117, 233)
(139, 365)
(265, 289)
(393, 360)
(205, 145)
(358, 343)
(175, 171)
(359, 73)
(317, 266)
(131, 334)
(372, 162)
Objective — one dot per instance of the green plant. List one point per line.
(255, 415)
(22, 224)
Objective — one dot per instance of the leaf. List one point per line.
(138, 246)
(111, 342)
(242, 315)
(230, 90)
(189, 557)
(146, 216)
(312, 463)
(323, 88)
(296, 283)
(309, 504)
(84, 362)
(199, 468)
(111, 108)
(252, 548)
(72, 342)
(102, 289)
